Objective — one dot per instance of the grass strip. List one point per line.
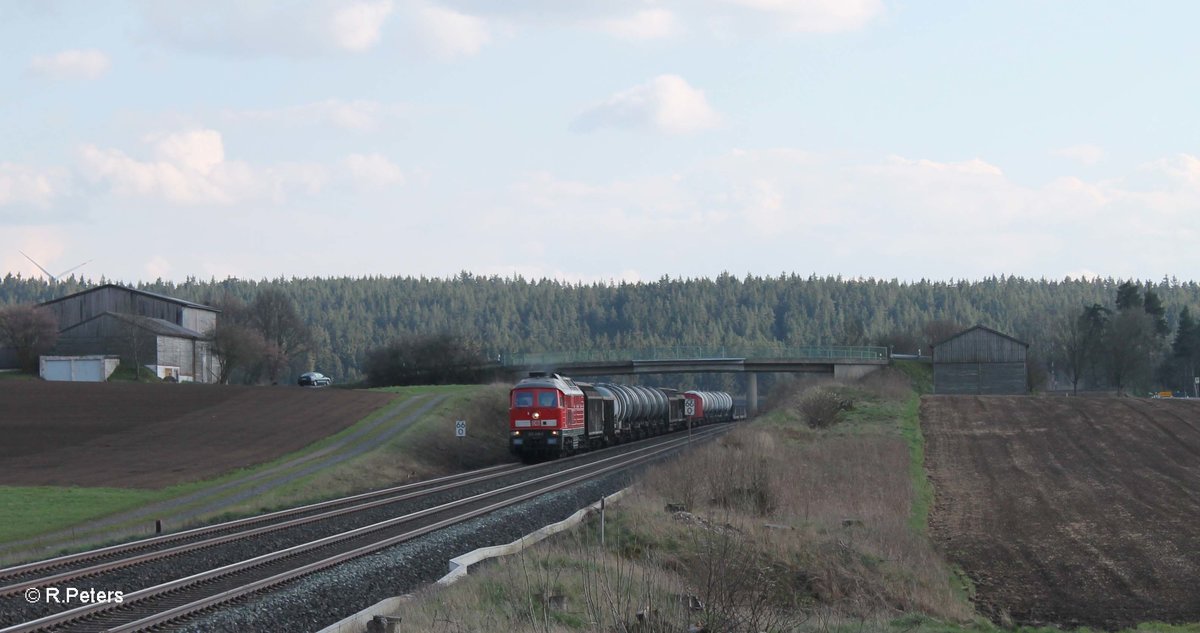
(32, 510)
(910, 428)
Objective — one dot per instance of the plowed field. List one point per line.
(132, 435)
(1071, 511)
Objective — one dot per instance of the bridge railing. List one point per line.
(808, 352)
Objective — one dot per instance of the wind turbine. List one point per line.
(54, 278)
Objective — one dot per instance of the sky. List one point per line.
(599, 141)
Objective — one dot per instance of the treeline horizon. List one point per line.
(352, 317)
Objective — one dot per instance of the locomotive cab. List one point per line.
(545, 416)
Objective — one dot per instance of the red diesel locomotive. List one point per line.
(552, 415)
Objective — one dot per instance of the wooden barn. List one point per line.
(169, 336)
(980, 361)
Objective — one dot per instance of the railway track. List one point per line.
(18, 578)
(482, 492)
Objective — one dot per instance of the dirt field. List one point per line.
(1071, 511)
(154, 435)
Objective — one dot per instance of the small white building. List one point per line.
(77, 368)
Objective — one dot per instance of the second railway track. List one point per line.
(447, 501)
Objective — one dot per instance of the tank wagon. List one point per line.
(552, 415)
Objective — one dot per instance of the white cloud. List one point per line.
(158, 267)
(647, 24)
(71, 64)
(816, 16)
(356, 27)
(1183, 169)
(27, 186)
(1086, 154)
(373, 171)
(666, 103)
(925, 217)
(267, 27)
(46, 245)
(645, 19)
(1083, 274)
(191, 169)
(454, 29)
(359, 115)
(197, 150)
(444, 33)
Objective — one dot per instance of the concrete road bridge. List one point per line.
(836, 361)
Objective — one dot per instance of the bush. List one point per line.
(439, 359)
(821, 407)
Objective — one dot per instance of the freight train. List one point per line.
(552, 415)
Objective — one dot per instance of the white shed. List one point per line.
(78, 368)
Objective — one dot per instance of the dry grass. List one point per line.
(425, 450)
(755, 532)
(486, 413)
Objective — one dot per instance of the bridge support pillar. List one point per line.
(751, 393)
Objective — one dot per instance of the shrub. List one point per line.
(438, 359)
(822, 407)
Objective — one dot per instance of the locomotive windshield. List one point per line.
(548, 399)
(523, 399)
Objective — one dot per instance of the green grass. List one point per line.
(371, 470)
(920, 374)
(417, 390)
(29, 511)
(125, 373)
(910, 428)
(46, 509)
(16, 375)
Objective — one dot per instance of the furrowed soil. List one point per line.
(131, 435)
(1069, 511)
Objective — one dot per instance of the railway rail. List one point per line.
(18, 578)
(180, 597)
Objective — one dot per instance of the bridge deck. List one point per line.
(816, 359)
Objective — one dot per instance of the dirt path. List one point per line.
(1071, 511)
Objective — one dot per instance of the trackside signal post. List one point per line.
(460, 431)
(689, 410)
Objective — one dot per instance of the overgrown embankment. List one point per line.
(778, 526)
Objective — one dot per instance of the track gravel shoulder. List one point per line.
(1069, 511)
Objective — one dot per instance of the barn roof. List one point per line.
(176, 300)
(985, 329)
(152, 325)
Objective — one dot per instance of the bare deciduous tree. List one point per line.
(939, 330)
(1131, 346)
(1071, 349)
(30, 332)
(239, 348)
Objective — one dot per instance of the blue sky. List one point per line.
(615, 140)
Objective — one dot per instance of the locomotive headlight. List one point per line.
(516, 433)
(553, 432)
(536, 415)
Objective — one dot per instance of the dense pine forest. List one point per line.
(350, 317)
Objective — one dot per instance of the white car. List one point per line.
(314, 379)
